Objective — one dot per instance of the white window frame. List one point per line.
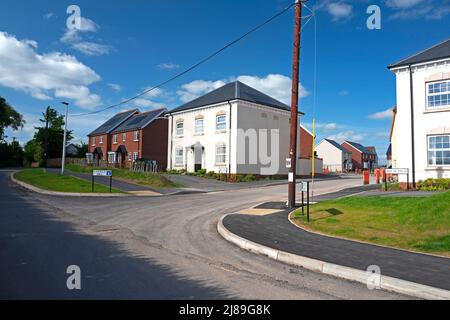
(179, 128)
(221, 153)
(114, 156)
(136, 136)
(100, 140)
(221, 125)
(441, 90)
(93, 141)
(179, 157)
(124, 137)
(435, 148)
(115, 139)
(135, 156)
(198, 127)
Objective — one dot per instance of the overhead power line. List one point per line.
(201, 62)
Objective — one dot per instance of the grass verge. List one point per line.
(419, 224)
(153, 180)
(55, 182)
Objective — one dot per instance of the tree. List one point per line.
(50, 136)
(82, 150)
(32, 152)
(9, 118)
(11, 154)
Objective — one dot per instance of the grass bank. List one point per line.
(56, 182)
(418, 224)
(153, 180)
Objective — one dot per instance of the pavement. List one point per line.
(277, 232)
(148, 247)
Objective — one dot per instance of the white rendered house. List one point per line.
(235, 130)
(420, 134)
(335, 157)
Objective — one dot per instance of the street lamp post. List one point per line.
(64, 139)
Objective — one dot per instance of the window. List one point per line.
(439, 94)
(136, 136)
(221, 122)
(221, 153)
(135, 156)
(111, 157)
(124, 137)
(129, 156)
(115, 139)
(93, 141)
(180, 128)
(101, 140)
(179, 157)
(89, 158)
(439, 150)
(199, 126)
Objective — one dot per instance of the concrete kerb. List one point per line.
(352, 274)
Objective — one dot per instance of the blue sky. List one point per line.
(127, 46)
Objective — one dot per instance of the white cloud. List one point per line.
(275, 85)
(386, 114)
(402, 4)
(347, 135)
(197, 88)
(74, 38)
(415, 9)
(344, 93)
(48, 15)
(339, 10)
(115, 87)
(91, 48)
(168, 66)
(41, 75)
(146, 103)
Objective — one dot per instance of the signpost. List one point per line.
(400, 171)
(305, 188)
(102, 173)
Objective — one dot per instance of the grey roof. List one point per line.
(389, 150)
(233, 91)
(361, 148)
(337, 145)
(113, 123)
(139, 120)
(437, 52)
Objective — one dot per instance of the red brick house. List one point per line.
(306, 143)
(362, 157)
(141, 136)
(99, 141)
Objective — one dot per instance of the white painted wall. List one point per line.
(246, 117)
(333, 158)
(434, 121)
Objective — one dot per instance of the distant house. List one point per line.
(99, 143)
(71, 150)
(235, 130)
(362, 157)
(420, 132)
(335, 157)
(131, 136)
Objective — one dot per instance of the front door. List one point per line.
(198, 153)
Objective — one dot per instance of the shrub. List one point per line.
(240, 178)
(211, 174)
(434, 185)
(200, 173)
(249, 178)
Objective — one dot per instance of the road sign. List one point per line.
(102, 173)
(304, 187)
(288, 163)
(397, 171)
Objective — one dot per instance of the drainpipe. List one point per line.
(229, 142)
(413, 158)
(171, 141)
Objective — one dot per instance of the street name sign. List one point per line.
(102, 173)
(397, 171)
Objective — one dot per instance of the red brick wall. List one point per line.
(129, 143)
(105, 145)
(356, 156)
(154, 142)
(306, 143)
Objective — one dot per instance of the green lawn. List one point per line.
(419, 224)
(55, 182)
(153, 180)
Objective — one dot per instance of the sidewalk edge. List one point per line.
(352, 274)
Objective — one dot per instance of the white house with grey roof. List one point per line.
(235, 130)
(420, 134)
(335, 157)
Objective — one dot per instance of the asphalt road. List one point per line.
(147, 248)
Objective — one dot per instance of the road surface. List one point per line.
(148, 248)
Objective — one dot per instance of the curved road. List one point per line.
(151, 248)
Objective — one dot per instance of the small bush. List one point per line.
(240, 178)
(434, 185)
(211, 174)
(249, 178)
(201, 173)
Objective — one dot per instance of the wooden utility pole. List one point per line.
(294, 105)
